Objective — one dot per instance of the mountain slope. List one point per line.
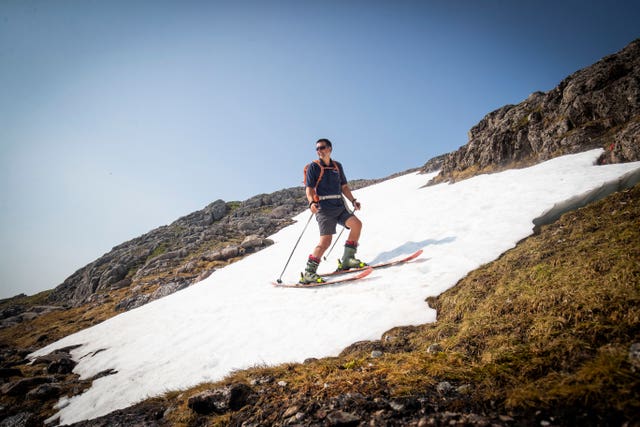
(545, 335)
(234, 319)
(598, 106)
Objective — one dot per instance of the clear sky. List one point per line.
(117, 117)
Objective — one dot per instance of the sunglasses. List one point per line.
(321, 147)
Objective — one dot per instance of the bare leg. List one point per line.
(323, 245)
(355, 227)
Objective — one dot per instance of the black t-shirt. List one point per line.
(331, 183)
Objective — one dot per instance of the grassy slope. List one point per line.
(547, 327)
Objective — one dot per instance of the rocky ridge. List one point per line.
(174, 256)
(596, 107)
(178, 254)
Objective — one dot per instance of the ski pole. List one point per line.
(334, 244)
(294, 248)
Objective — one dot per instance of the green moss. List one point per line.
(233, 205)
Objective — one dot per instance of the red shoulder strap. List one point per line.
(334, 166)
(321, 173)
(306, 168)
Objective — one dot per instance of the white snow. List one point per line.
(236, 319)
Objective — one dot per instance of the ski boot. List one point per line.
(349, 259)
(310, 275)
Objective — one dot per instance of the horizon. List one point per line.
(119, 118)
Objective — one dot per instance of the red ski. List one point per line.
(362, 273)
(413, 256)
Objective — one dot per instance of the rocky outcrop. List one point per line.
(184, 252)
(149, 413)
(16, 314)
(596, 107)
(434, 164)
(181, 253)
(222, 400)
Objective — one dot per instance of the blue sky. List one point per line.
(117, 117)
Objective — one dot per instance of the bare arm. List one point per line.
(312, 198)
(347, 193)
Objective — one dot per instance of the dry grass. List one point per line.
(552, 320)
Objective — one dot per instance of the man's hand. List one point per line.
(315, 207)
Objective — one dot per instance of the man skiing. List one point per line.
(326, 184)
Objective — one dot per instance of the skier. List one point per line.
(325, 186)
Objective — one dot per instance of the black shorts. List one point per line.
(329, 217)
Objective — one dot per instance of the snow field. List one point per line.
(235, 319)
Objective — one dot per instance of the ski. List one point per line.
(362, 273)
(413, 256)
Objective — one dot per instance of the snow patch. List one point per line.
(235, 319)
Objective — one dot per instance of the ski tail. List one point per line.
(406, 259)
(361, 275)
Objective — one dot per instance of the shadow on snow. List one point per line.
(409, 248)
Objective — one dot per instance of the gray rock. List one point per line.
(444, 387)
(114, 274)
(230, 252)
(251, 242)
(222, 400)
(434, 348)
(212, 256)
(23, 386)
(204, 275)
(12, 311)
(149, 413)
(124, 283)
(167, 289)
(132, 302)
(217, 210)
(596, 107)
(64, 365)
(22, 419)
(376, 354)
(45, 392)
(342, 418)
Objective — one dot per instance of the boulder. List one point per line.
(64, 365)
(230, 252)
(21, 419)
(222, 400)
(23, 386)
(45, 392)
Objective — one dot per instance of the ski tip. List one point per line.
(364, 273)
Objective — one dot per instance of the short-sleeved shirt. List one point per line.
(330, 184)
